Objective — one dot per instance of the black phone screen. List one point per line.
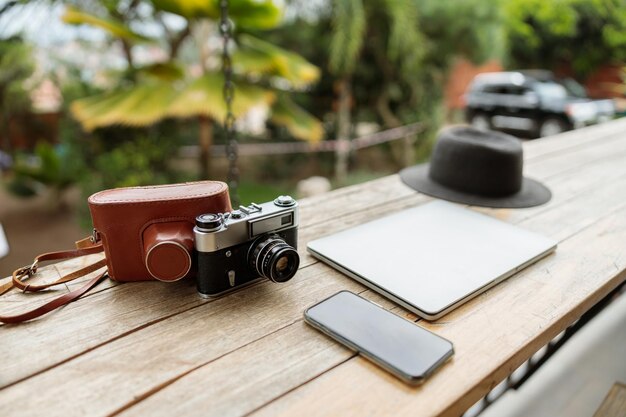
(398, 345)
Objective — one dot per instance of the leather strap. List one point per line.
(21, 274)
(28, 271)
(54, 304)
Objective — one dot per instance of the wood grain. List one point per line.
(204, 400)
(141, 348)
(16, 298)
(574, 139)
(493, 335)
(142, 304)
(614, 405)
(103, 355)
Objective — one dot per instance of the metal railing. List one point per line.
(278, 148)
(522, 374)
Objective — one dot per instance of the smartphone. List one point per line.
(401, 347)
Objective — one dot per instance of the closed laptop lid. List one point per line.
(433, 257)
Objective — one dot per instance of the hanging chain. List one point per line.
(229, 94)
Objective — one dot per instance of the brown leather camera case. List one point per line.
(120, 217)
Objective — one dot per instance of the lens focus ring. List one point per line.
(274, 259)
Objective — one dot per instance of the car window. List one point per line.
(574, 88)
(551, 91)
(494, 89)
(515, 90)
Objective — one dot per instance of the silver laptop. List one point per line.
(431, 259)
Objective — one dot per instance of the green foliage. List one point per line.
(583, 33)
(16, 66)
(137, 162)
(49, 167)
(413, 35)
(165, 71)
(405, 43)
(116, 28)
(255, 56)
(295, 119)
(259, 192)
(139, 105)
(406, 49)
(151, 101)
(469, 28)
(251, 14)
(164, 90)
(204, 96)
(140, 160)
(349, 24)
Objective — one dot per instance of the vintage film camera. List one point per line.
(236, 248)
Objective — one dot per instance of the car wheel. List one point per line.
(481, 121)
(551, 126)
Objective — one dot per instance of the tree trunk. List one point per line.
(390, 121)
(5, 132)
(343, 130)
(175, 43)
(206, 141)
(384, 109)
(126, 47)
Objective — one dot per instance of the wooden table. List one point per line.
(158, 349)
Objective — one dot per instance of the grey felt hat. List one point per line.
(479, 168)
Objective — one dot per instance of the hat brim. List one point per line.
(533, 193)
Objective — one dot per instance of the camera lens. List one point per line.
(274, 259)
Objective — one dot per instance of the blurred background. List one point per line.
(101, 94)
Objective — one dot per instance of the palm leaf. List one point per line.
(257, 56)
(140, 105)
(165, 71)
(115, 28)
(150, 102)
(189, 8)
(204, 96)
(252, 14)
(296, 120)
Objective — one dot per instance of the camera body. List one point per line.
(236, 248)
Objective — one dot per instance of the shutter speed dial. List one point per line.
(209, 222)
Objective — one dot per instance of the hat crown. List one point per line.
(481, 162)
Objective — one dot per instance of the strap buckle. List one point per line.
(29, 270)
(95, 236)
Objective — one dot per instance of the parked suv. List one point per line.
(532, 101)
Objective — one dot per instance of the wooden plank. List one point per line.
(575, 139)
(614, 405)
(264, 370)
(204, 398)
(168, 359)
(573, 160)
(81, 327)
(107, 322)
(15, 300)
(132, 366)
(492, 337)
(335, 199)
